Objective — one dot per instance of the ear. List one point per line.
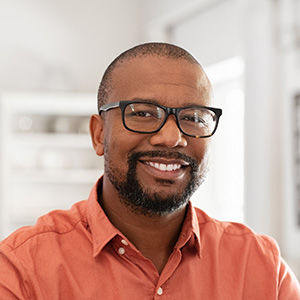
(97, 133)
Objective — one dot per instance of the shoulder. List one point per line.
(57, 222)
(28, 248)
(237, 235)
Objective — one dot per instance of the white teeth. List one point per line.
(170, 167)
(164, 167)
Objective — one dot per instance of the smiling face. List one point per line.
(153, 173)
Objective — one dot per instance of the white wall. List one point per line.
(272, 73)
(289, 19)
(158, 11)
(63, 45)
(158, 15)
(263, 139)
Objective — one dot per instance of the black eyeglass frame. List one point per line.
(168, 111)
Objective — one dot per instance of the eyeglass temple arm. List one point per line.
(109, 106)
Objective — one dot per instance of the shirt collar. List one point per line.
(101, 228)
(190, 233)
(103, 231)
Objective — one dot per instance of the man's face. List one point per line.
(155, 173)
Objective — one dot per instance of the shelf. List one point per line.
(52, 140)
(46, 155)
(78, 176)
(51, 103)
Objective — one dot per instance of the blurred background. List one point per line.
(52, 57)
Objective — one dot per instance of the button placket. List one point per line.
(160, 291)
(121, 250)
(124, 242)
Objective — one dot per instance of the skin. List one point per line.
(173, 83)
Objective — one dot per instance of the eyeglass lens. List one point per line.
(146, 117)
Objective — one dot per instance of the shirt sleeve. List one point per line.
(288, 285)
(12, 280)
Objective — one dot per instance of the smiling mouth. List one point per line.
(163, 167)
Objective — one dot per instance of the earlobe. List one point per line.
(97, 133)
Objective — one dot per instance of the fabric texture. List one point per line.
(79, 254)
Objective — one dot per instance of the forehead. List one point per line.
(172, 82)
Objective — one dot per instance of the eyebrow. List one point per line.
(154, 101)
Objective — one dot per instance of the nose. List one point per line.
(169, 135)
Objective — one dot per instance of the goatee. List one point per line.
(140, 199)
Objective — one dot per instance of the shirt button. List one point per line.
(124, 242)
(121, 250)
(159, 291)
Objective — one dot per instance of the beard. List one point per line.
(140, 199)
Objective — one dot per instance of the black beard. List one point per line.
(141, 200)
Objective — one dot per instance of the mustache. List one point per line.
(135, 156)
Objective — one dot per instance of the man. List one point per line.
(137, 236)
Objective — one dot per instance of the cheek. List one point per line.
(204, 166)
(201, 153)
(200, 148)
(113, 137)
(120, 143)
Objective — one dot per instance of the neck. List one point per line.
(154, 236)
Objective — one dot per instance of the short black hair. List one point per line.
(147, 49)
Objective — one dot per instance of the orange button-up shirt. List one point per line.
(78, 254)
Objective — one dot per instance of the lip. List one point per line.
(172, 175)
(166, 161)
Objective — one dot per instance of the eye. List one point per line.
(193, 118)
(142, 114)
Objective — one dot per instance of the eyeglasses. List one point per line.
(147, 117)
